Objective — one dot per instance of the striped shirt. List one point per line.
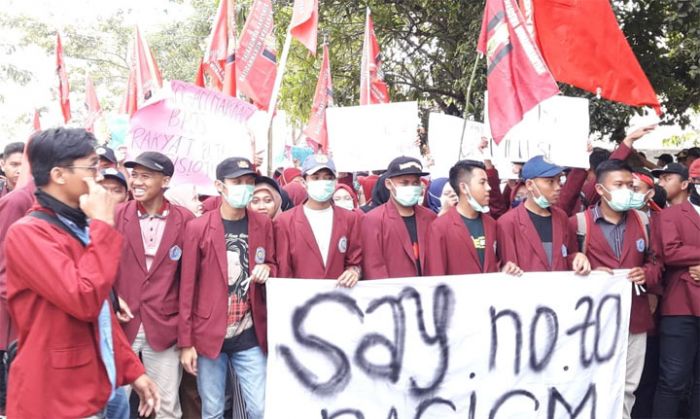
(614, 233)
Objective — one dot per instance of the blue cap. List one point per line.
(538, 166)
(316, 162)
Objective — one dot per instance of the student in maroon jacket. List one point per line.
(463, 241)
(615, 236)
(679, 329)
(149, 272)
(675, 181)
(61, 262)
(228, 256)
(536, 235)
(394, 235)
(318, 240)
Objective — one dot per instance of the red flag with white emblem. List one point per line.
(256, 56)
(517, 77)
(372, 86)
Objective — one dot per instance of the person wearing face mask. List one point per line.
(394, 235)
(222, 320)
(345, 197)
(679, 327)
(675, 180)
(149, 272)
(316, 240)
(463, 241)
(536, 235)
(613, 235)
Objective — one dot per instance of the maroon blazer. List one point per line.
(298, 255)
(497, 202)
(56, 289)
(386, 244)
(13, 206)
(204, 281)
(451, 249)
(152, 296)
(680, 237)
(634, 254)
(519, 242)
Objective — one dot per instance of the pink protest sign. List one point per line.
(196, 128)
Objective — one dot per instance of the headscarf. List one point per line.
(514, 192)
(264, 183)
(380, 195)
(288, 175)
(353, 195)
(296, 192)
(435, 193)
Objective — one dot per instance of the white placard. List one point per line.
(558, 128)
(369, 137)
(474, 346)
(444, 133)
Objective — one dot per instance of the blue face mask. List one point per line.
(239, 196)
(320, 190)
(540, 200)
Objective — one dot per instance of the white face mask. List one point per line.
(345, 203)
(407, 196)
(474, 204)
(239, 196)
(320, 190)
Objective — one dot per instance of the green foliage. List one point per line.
(428, 48)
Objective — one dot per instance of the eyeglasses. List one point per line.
(93, 169)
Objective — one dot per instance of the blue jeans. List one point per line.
(250, 365)
(118, 407)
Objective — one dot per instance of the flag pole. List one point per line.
(273, 99)
(466, 102)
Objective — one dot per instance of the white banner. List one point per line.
(444, 133)
(369, 137)
(545, 345)
(558, 128)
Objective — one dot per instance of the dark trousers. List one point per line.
(679, 364)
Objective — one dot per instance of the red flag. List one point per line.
(129, 103)
(221, 48)
(304, 25)
(316, 129)
(256, 55)
(199, 77)
(63, 86)
(517, 77)
(591, 53)
(37, 121)
(92, 104)
(148, 78)
(372, 86)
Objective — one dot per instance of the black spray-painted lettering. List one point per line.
(504, 398)
(556, 398)
(494, 337)
(553, 333)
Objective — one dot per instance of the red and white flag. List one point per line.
(517, 77)
(148, 78)
(591, 53)
(63, 86)
(372, 86)
(304, 25)
(220, 53)
(256, 56)
(144, 76)
(92, 104)
(317, 130)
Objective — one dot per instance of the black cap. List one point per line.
(106, 153)
(114, 174)
(405, 166)
(682, 155)
(665, 157)
(694, 152)
(153, 160)
(673, 168)
(234, 167)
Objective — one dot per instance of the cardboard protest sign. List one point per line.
(197, 128)
(544, 345)
(369, 137)
(444, 133)
(558, 128)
